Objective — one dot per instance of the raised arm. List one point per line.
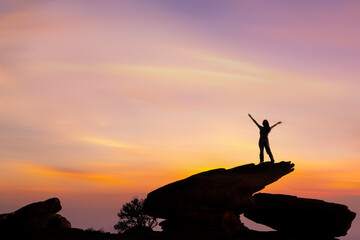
(275, 124)
(254, 121)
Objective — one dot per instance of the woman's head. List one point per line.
(266, 123)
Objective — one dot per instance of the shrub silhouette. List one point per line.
(132, 216)
(93, 230)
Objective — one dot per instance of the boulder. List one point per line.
(218, 190)
(34, 217)
(212, 201)
(301, 216)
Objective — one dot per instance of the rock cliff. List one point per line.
(208, 205)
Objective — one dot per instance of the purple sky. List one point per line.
(105, 100)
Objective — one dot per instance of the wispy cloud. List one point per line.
(42, 175)
(77, 174)
(106, 142)
(157, 73)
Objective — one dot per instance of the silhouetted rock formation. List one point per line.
(34, 217)
(218, 189)
(207, 206)
(213, 199)
(301, 216)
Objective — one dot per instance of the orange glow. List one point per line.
(326, 180)
(41, 177)
(87, 177)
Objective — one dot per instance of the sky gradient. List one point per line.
(102, 101)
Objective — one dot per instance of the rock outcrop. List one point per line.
(34, 217)
(207, 205)
(213, 199)
(215, 190)
(301, 216)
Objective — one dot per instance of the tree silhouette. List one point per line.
(132, 215)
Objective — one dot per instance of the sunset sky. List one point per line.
(101, 101)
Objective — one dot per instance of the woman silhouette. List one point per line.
(264, 141)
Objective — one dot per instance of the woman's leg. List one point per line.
(261, 146)
(268, 151)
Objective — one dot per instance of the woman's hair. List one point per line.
(266, 125)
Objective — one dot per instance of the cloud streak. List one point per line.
(106, 142)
